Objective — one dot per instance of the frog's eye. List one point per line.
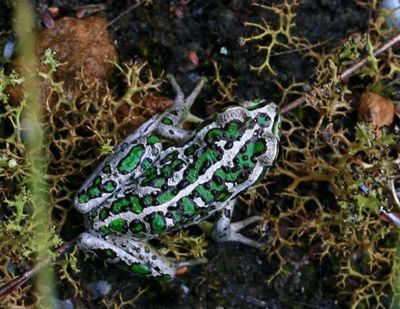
(277, 126)
(254, 104)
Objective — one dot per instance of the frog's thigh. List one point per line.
(224, 230)
(139, 257)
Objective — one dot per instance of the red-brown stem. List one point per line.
(346, 74)
(10, 286)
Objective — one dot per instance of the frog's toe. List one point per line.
(231, 233)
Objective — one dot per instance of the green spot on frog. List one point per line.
(159, 182)
(140, 269)
(83, 198)
(259, 147)
(148, 200)
(104, 214)
(177, 217)
(136, 206)
(131, 161)
(188, 206)
(167, 121)
(164, 278)
(214, 135)
(110, 253)
(215, 187)
(94, 214)
(147, 163)
(106, 169)
(223, 196)
(165, 197)
(118, 225)
(204, 193)
(252, 150)
(105, 230)
(152, 139)
(125, 204)
(191, 150)
(264, 121)
(136, 226)
(166, 170)
(193, 171)
(109, 186)
(233, 130)
(227, 176)
(158, 223)
(94, 192)
(97, 180)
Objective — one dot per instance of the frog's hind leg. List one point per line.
(170, 123)
(224, 230)
(131, 254)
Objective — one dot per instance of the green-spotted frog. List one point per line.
(144, 189)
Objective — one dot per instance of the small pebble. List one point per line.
(223, 51)
(63, 304)
(80, 13)
(47, 19)
(99, 288)
(391, 10)
(54, 11)
(194, 59)
(11, 268)
(185, 289)
(8, 50)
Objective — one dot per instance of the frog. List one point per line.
(146, 188)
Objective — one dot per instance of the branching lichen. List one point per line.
(275, 37)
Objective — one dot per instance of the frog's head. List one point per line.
(266, 114)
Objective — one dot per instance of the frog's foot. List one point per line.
(231, 233)
(131, 254)
(224, 230)
(180, 97)
(170, 123)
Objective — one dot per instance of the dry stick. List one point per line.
(10, 286)
(124, 13)
(347, 73)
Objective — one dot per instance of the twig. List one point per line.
(10, 286)
(132, 7)
(296, 50)
(346, 74)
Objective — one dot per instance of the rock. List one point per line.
(82, 44)
(376, 109)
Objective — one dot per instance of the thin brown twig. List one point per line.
(296, 50)
(123, 13)
(346, 74)
(11, 285)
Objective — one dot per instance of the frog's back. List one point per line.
(189, 183)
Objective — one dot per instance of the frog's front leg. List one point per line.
(134, 255)
(224, 230)
(169, 126)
